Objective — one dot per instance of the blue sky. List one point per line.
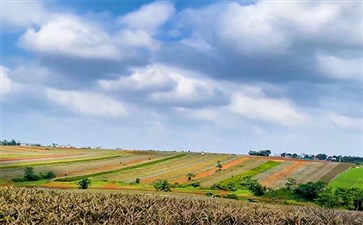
(219, 76)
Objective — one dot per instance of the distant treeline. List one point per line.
(260, 152)
(9, 143)
(323, 156)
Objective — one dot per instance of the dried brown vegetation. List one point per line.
(36, 206)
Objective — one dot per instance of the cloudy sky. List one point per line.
(221, 76)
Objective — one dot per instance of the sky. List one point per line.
(216, 76)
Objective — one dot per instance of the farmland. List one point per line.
(352, 178)
(119, 170)
(35, 206)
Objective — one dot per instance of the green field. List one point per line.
(348, 179)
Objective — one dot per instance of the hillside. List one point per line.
(114, 168)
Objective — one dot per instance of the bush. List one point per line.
(231, 196)
(162, 185)
(19, 179)
(137, 180)
(209, 194)
(310, 190)
(30, 175)
(49, 175)
(84, 183)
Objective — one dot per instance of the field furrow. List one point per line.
(278, 179)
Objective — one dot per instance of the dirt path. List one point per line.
(271, 180)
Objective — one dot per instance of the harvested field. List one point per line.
(277, 179)
(245, 165)
(338, 169)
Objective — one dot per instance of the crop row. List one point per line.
(124, 169)
(34, 206)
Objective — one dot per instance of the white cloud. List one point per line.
(266, 109)
(86, 103)
(22, 14)
(138, 38)
(268, 27)
(149, 17)
(168, 85)
(340, 68)
(7, 85)
(345, 121)
(197, 114)
(148, 79)
(72, 36)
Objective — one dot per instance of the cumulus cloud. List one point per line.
(87, 103)
(72, 36)
(149, 17)
(20, 14)
(278, 111)
(340, 68)
(167, 85)
(346, 122)
(7, 85)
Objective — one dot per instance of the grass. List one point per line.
(351, 178)
(123, 169)
(31, 183)
(252, 172)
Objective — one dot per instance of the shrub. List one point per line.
(49, 175)
(137, 180)
(30, 175)
(162, 185)
(84, 183)
(231, 196)
(310, 190)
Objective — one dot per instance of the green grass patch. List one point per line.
(123, 169)
(348, 179)
(252, 172)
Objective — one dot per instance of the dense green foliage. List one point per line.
(30, 175)
(162, 185)
(260, 152)
(84, 183)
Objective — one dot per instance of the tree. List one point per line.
(219, 165)
(310, 190)
(290, 184)
(84, 183)
(162, 185)
(190, 176)
(29, 174)
(321, 156)
(137, 180)
(253, 186)
(326, 198)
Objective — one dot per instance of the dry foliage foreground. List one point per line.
(39, 206)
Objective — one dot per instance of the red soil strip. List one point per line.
(285, 172)
(106, 168)
(210, 172)
(37, 157)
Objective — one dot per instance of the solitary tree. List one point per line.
(29, 174)
(84, 183)
(190, 176)
(162, 185)
(290, 184)
(219, 165)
